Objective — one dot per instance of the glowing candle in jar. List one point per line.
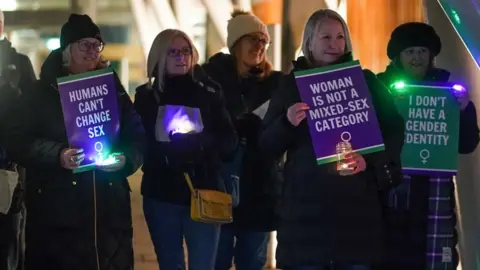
(344, 148)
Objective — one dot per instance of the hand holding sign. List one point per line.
(338, 100)
(356, 162)
(71, 158)
(431, 116)
(296, 113)
(90, 111)
(462, 96)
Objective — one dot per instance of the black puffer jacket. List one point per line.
(412, 231)
(64, 208)
(259, 177)
(327, 218)
(25, 76)
(164, 181)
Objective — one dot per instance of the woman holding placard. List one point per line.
(188, 131)
(414, 206)
(75, 220)
(329, 220)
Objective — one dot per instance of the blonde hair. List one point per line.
(311, 29)
(67, 58)
(158, 54)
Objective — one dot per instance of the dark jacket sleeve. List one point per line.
(277, 132)
(390, 120)
(223, 137)
(386, 164)
(9, 98)
(469, 137)
(132, 134)
(23, 145)
(28, 77)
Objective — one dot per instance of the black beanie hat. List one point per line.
(78, 27)
(413, 34)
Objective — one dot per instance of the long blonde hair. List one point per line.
(311, 29)
(158, 54)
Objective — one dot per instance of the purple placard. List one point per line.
(90, 111)
(341, 109)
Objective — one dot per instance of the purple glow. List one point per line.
(180, 123)
(459, 88)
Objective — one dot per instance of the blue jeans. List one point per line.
(168, 224)
(341, 267)
(248, 249)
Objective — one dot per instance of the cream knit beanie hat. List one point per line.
(243, 23)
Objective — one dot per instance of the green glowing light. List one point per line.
(109, 160)
(398, 85)
(456, 17)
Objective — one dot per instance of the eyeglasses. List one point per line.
(173, 52)
(85, 45)
(258, 41)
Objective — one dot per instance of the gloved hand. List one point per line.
(388, 174)
(248, 126)
(186, 147)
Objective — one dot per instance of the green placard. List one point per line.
(431, 116)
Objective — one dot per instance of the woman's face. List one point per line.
(179, 57)
(85, 55)
(329, 42)
(415, 61)
(252, 48)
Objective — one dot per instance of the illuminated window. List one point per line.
(8, 5)
(53, 43)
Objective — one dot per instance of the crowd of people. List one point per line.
(59, 220)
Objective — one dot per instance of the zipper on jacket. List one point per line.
(242, 97)
(95, 221)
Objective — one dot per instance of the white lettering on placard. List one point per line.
(426, 121)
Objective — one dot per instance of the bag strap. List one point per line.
(156, 95)
(189, 182)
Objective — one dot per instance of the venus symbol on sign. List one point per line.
(424, 154)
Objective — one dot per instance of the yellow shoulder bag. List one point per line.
(209, 206)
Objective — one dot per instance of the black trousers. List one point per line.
(9, 241)
(75, 249)
(406, 231)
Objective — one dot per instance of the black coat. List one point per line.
(163, 180)
(62, 205)
(17, 76)
(408, 229)
(327, 218)
(25, 76)
(259, 176)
